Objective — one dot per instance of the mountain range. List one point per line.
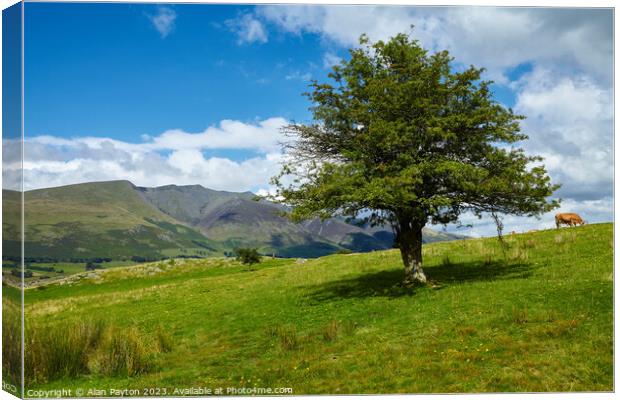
(119, 220)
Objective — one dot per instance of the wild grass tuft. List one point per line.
(563, 238)
(446, 261)
(286, 335)
(518, 254)
(520, 316)
(123, 354)
(164, 339)
(67, 351)
(11, 343)
(560, 328)
(331, 331)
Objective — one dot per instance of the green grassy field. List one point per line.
(41, 276)
(537, 318)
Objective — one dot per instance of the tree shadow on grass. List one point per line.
(388, 283)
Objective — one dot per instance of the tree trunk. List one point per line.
(410, 243)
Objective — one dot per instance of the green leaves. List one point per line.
(397, 132)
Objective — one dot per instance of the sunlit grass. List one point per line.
(535, 318)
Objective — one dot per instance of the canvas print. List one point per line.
(297, 199)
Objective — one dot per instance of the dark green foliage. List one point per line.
(91, 266)
(17, 273)
(247, 255)
(41, 268)
(403, 140)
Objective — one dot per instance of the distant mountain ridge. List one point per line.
(119, 220)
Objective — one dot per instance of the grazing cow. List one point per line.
(570, 219)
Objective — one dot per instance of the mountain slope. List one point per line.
(237, 220)
(103, 219)
(365, 237)
(119, 220)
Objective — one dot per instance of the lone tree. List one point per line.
(247, 256)
(400, 138)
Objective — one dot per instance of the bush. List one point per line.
(17, 273)
(91, 266)
(247, 256)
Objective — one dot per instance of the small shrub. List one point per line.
(91, 266)
(247, 256)
(344, 251)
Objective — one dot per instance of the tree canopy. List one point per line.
(401, 137)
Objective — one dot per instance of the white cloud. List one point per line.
(263, 136)
(298, 75)
(330, 59)
(497, 38)
(174, 157)
(248, 29)
(163, 21)
(570, 123)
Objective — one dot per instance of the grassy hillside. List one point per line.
(103, 219)
(538, 318)
(119, 220)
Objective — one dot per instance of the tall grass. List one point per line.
(287, 336)
(122, 354)
(165, 341)
(11, 343)
(82, 348)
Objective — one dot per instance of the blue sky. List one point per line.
(196, 94)
(105, 70)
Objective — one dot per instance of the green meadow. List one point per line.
(536, 316)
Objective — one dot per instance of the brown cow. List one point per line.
(570, 219)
